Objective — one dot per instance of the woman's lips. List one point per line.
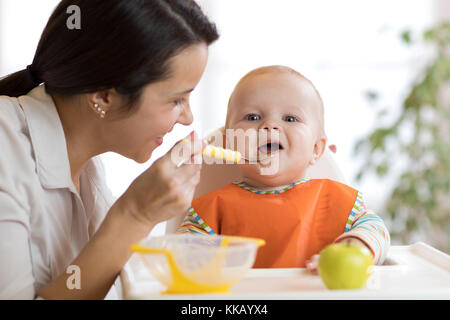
(159, 141)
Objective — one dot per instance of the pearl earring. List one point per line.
(100, 110)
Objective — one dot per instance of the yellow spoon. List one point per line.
(227, 154)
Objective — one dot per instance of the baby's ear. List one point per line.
(319, 148)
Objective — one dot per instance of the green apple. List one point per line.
(345, 266)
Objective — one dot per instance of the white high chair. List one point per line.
(214, 176)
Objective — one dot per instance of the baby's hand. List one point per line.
(313, 263)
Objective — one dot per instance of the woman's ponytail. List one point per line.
(19, 83)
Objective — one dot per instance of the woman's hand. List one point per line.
(164, 190)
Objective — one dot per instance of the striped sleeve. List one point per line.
(192, 223)
(368, 227)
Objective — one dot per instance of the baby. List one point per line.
(296, 216)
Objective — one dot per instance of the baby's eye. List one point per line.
(290, 119)
(253, 117)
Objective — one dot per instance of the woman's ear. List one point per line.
(102, 100)
(319, 148)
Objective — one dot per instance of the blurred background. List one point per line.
(382, 68)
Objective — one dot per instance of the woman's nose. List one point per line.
(186, 117)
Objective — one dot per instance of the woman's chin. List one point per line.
(142, 161)
(142, 157)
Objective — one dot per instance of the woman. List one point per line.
(119, 83)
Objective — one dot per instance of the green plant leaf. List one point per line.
(414, 202)
(406, 36)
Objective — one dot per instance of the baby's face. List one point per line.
(279, 103)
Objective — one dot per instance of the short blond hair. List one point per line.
(280, 69)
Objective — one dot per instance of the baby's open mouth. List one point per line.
(270, 147)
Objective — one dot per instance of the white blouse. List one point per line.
(44, 222)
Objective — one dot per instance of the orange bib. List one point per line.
(295, 224)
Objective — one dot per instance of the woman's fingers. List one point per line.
(180, 181)
(185, 151)
(178, 202)
(166, 190)
(191, 159)
(178, 164)
(189, 177)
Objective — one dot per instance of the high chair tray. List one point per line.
(417, 271)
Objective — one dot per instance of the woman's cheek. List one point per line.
(166, 121)
(174, 116)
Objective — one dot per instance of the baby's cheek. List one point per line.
(244, 141)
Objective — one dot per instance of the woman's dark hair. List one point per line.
(121, 44)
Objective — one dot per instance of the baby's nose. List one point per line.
(270, 126)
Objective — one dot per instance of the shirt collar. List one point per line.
(47, 137)
(275, 190)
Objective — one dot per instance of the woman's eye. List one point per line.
(253, 117)
(178, 102)
(290, 119)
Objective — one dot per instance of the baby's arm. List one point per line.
(192, 223)
(370, 229)
(364, 228)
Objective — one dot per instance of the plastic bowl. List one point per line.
(189, 263)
